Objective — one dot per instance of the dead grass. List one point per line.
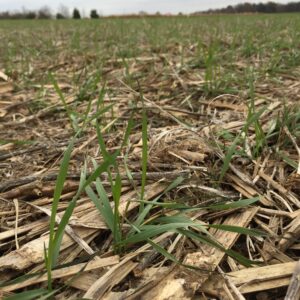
(197, 95)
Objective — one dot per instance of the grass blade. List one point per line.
(50, 259)
(144, 153)
(63, 100)
(228, 157)
(142, 215)
(28, 295)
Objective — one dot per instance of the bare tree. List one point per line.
(63, 11)
(28, 14)
(44, 13)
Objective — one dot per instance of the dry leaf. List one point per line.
(3, 113)
(3, 76)
(6, 87)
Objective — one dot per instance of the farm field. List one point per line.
(150, 158)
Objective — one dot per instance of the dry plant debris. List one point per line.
(220, 107)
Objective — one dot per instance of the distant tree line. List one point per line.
(43, 13)
(268, 7)
(46, 13)
(64, 13)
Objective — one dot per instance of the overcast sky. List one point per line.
(125, 6)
